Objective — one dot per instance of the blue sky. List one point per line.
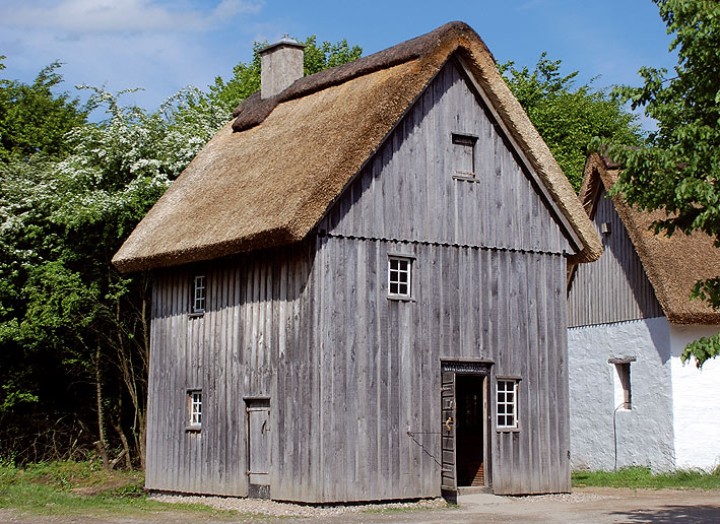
(164, 45)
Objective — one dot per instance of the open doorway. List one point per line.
(464, 427)
(470, 429)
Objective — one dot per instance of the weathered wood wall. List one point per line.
(353, 377)
(615, 288)
(381, 365)
(490, 284)
(408, 191)
(252, 341)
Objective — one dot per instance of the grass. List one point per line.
(80, 488)
(643, 478)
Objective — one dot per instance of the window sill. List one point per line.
(400, 299)
(507, 430)
(466, 178)
(193, 429)
(196, 315)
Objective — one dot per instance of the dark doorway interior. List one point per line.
(470, 430)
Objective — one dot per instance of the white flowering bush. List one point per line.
(61, 221)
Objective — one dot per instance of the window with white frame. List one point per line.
(506, 403)
(464, 154)
(198, 294)
(399, 277)
(195, 408)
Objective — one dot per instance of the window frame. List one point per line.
(464, 140)
(194, 409)
(513, 404)
(623, 378)
(198, 298)
(408, 271)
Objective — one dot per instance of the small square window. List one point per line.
(195, 409)
(464, 154)
(506, 404)
(198, 294)
(399, 277)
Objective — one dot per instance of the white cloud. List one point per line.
(158, 45)
(120, 16)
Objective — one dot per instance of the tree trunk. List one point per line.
(101, 444)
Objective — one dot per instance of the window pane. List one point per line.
(506, 404)
(195, 408)
(464, 154)
(198, 305)
(399, 277)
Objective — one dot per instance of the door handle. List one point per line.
(448, 424)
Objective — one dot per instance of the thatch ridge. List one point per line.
(272, 182)
(672, 264)
(253, 110)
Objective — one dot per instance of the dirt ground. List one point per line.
(589, 505)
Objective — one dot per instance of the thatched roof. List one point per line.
(672, 264)
(269, 177)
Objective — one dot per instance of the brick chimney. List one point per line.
(281, 64)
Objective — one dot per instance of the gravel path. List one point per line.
(279, 509)
(583, 506)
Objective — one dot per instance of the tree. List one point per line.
(679, 170)
(74, 335)
(32, 118)
(568, 118)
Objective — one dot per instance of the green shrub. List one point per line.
(8, 472)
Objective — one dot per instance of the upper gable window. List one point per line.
(463, 148)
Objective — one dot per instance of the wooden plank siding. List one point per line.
(353, 377)
(489, 262)
(380, 365)
(597, 295)
(252, 342)
(409, 192)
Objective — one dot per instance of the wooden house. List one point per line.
(632, 401)
(360, 288)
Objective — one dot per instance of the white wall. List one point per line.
(696, 396)
(645, 433)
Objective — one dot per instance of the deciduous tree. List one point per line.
(33, 118)
(569, 117)
(74, 336)
(679, 170)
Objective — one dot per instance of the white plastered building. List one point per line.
(633, 402)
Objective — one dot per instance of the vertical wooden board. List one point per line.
(183, 463)
(546, 366)
(181, 350)
(321, 344)
(528, 279)
(537, 358)
(394, 407)
(360, 372)
(561, 346)
(157, 333)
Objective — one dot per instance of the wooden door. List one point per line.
(447, 431)
(259, 445)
